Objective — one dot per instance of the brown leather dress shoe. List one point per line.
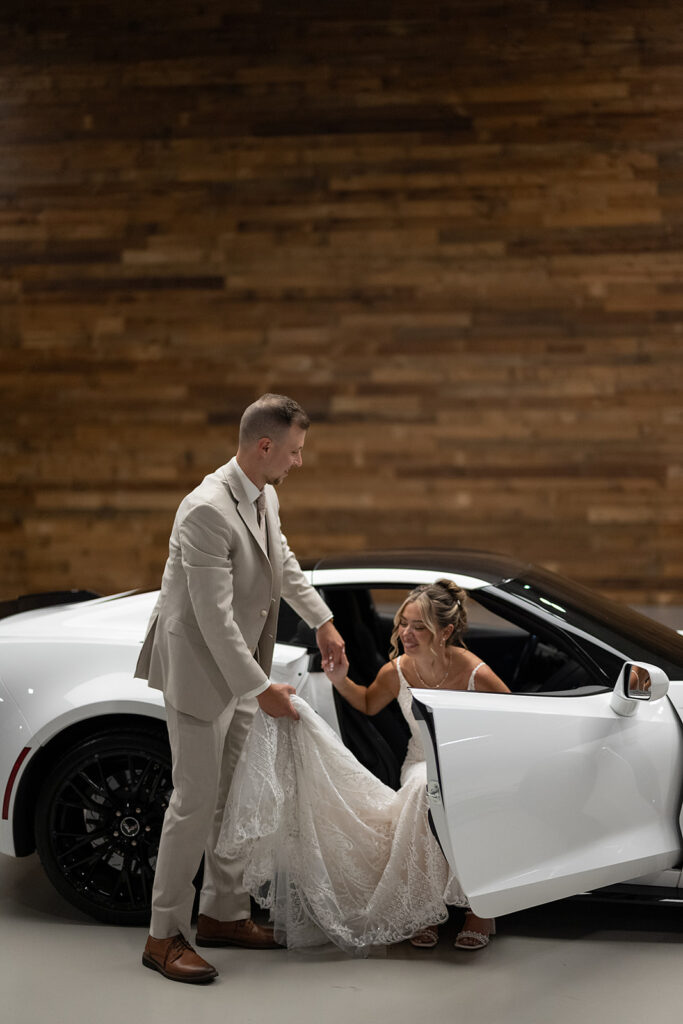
(247, 933)
(176, 959)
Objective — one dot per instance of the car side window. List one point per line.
(530, 659)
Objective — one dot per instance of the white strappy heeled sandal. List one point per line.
(426, 939)
(471, 938)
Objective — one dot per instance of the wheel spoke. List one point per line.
(84, 841)
(96, 787)
(99, 855)
(124, 879)
(85, 798)
(162, 775)
(104, 786)
(156, 782)
(142, 775)
(95, 808)
(154, 769)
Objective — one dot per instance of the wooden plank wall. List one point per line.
(453, 231)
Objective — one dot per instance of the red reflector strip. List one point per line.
(10, 782)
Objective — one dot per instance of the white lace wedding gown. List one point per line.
(332, 852)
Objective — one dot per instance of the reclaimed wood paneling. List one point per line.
(453, 232)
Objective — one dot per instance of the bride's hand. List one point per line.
(336, 671)
(329, 641)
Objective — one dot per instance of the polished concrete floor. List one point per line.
(570, 962)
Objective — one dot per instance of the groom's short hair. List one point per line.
(270, 416)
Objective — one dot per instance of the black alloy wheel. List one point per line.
(98, 820)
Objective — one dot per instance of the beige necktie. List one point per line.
(261, 515)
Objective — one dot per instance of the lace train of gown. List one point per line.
(332, 852)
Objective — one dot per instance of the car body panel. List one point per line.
(539, 798)
(535, 796)
(117, 617)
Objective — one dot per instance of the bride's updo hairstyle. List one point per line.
(441, 604)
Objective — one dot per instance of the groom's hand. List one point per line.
(331, 645)
(276, 703)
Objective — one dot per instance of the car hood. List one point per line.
(120, 616)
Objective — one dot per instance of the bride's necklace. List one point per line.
(432, 686)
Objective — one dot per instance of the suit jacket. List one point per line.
(212, 631)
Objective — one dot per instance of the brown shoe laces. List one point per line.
(177, 948)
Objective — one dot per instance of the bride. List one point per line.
(332, 852)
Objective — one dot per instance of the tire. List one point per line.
(98, 821)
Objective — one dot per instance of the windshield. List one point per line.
(634, 635)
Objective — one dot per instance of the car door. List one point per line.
(539, 797)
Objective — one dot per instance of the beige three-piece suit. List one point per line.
(209, 648)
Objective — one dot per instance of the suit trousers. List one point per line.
(204, 755)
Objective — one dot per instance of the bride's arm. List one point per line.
(488, 681)
(368, 699)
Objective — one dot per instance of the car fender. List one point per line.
(90, 701)
(95, 701)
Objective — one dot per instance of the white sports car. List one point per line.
(570, 783)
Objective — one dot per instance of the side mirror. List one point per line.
(638, 681)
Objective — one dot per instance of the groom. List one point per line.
(209, 648)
